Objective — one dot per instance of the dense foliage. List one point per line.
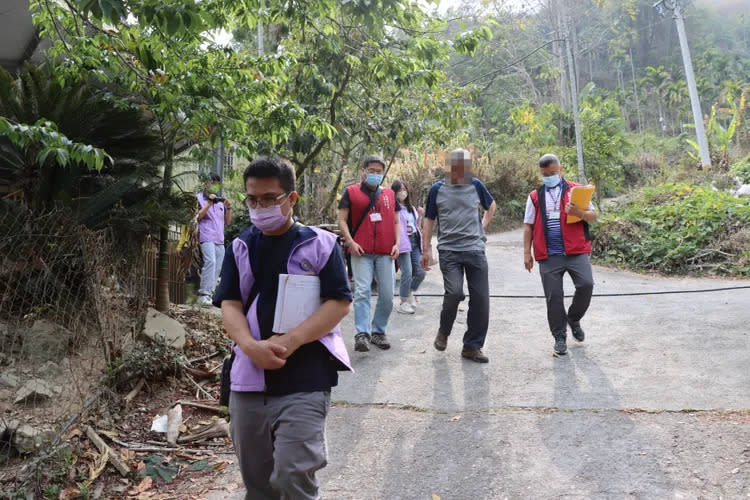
(334, 81)
(678, 228)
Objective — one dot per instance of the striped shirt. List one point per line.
(552, 200)
(554, 234)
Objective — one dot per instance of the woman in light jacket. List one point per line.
(410, 252)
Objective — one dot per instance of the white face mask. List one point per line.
(402, 195)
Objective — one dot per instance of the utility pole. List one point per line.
(574, 102)
(677, 9)
(260, 32)
(635, 91)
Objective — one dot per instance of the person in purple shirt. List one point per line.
(410, 248)
(281, 383)
(215, 212)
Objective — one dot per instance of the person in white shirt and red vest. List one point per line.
(559, 247)
(369, 224)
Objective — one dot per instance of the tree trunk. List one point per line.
(562, 83)
(162, 278)
(336, 186)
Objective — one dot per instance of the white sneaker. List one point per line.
(204, 301)
(405, 308)
(412, 301)
(461, 316)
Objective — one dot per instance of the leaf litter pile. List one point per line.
(157, 433)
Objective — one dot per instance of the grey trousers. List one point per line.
(280, 443)
(552, 270)
(453, 265)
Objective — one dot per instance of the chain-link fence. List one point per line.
(70, 303)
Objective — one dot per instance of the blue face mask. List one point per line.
(374, 179)
(551, 181)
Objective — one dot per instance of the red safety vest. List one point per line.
(575, 236)
(375, 238)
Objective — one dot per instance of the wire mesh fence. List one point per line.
(70, 303)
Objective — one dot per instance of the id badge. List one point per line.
(376, 217)
(554, 215)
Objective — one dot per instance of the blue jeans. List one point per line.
(412, 273)
(213, 258)
(417, 273)
(404, 264)
(363, 269)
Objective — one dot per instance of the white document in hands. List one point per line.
(297, 300)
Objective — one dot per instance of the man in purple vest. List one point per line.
(215, 212)
(281, 384)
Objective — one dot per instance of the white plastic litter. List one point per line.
(160, 424)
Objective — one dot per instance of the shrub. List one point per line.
(510, 177)
(677, 228)
(741, 170)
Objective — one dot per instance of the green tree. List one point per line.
(167, 62)
(604, 144)
(51, 171)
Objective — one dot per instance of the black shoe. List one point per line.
(441, 341)
(362, 342)
(560, 347)
(475, 355)
(577, 332)
(379, 340)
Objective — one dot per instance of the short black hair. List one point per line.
(215, 178)
(547, 160)
(373, 159)
(266, 167)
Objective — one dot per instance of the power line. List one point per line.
(521, 59)
(623, 294)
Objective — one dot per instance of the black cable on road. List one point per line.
(624, 294)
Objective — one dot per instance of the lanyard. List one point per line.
(555, 200)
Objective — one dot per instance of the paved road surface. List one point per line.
(655, 403)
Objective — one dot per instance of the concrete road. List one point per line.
(654, 404)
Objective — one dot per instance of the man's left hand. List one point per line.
(287, 341)
(394, 252)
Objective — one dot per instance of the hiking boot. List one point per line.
(441, 341)
(561, 347)
(380, 340)
(577, 332)
(362, 342)
(405, 308)
(475, 355)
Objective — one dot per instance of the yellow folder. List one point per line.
(581, 196)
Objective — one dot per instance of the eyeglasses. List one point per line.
(265, 202)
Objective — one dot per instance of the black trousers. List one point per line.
(453, 265)
(552, 271)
